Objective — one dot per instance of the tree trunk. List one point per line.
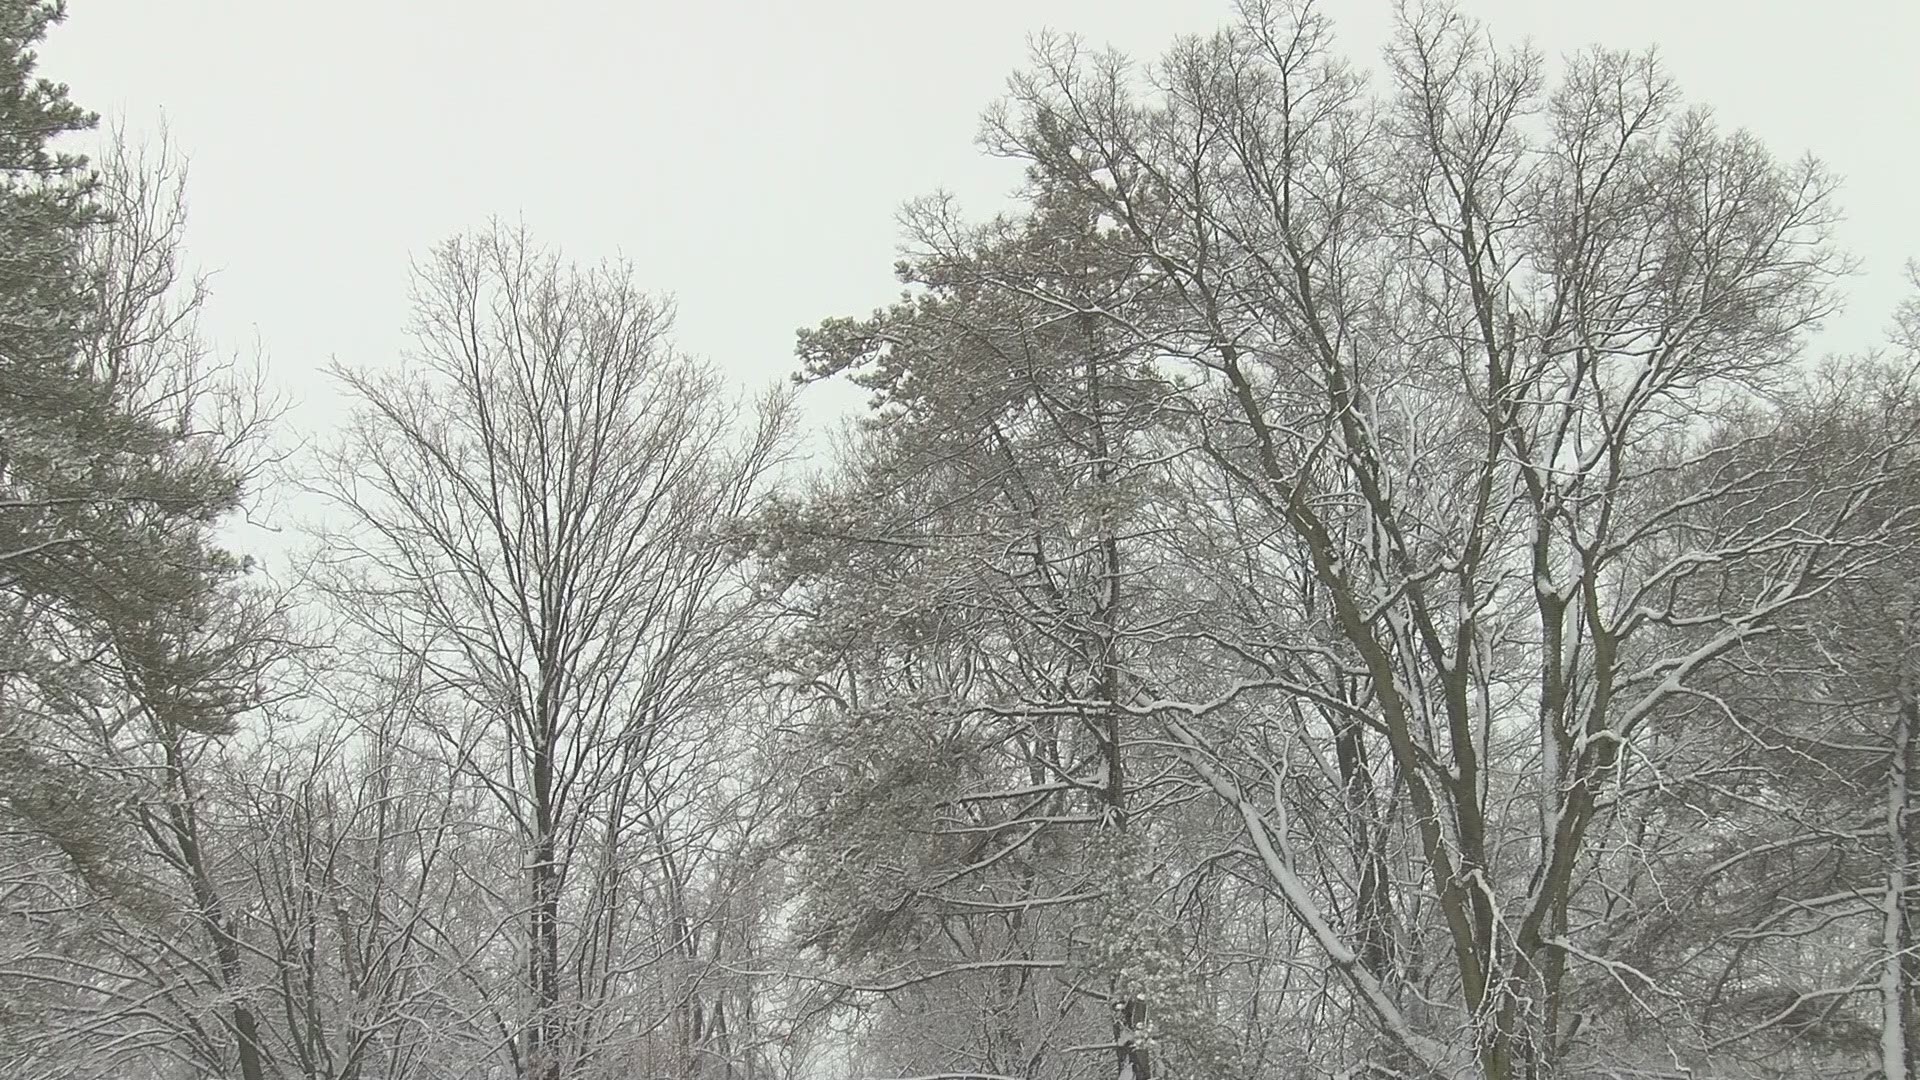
(1899, 972)
(212, 912)
(1132, 1060)
(544, 1036)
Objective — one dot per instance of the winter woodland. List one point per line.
(1355, 577)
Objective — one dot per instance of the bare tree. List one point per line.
(532, 499)
(1477, 354)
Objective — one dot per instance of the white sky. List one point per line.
(748, 155)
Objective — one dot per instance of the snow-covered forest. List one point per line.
(1353, 577)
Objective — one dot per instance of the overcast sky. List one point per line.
(749, 157)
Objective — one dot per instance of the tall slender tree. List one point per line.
(530, 507)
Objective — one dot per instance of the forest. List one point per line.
(1351, 578)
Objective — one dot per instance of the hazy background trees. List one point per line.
(1346, 578)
